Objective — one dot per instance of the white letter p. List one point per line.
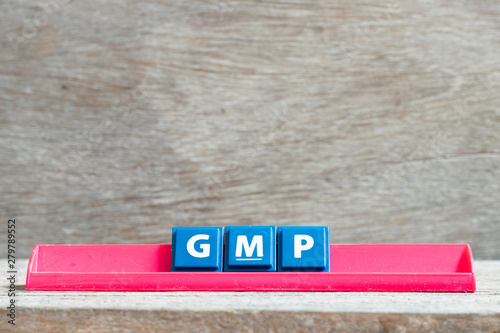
(298, 247)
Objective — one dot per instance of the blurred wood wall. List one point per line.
(380, 119)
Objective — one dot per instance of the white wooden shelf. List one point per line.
(49, 311)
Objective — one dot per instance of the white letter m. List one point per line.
(242, 242)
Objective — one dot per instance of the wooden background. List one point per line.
(121, 119)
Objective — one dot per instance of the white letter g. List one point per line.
(204, 247)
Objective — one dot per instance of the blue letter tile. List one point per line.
(196, 249)
(303, 249)
(250, 249)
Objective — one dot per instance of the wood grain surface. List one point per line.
(51, 311)
(380, 119)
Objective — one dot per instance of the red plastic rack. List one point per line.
(354, 267)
